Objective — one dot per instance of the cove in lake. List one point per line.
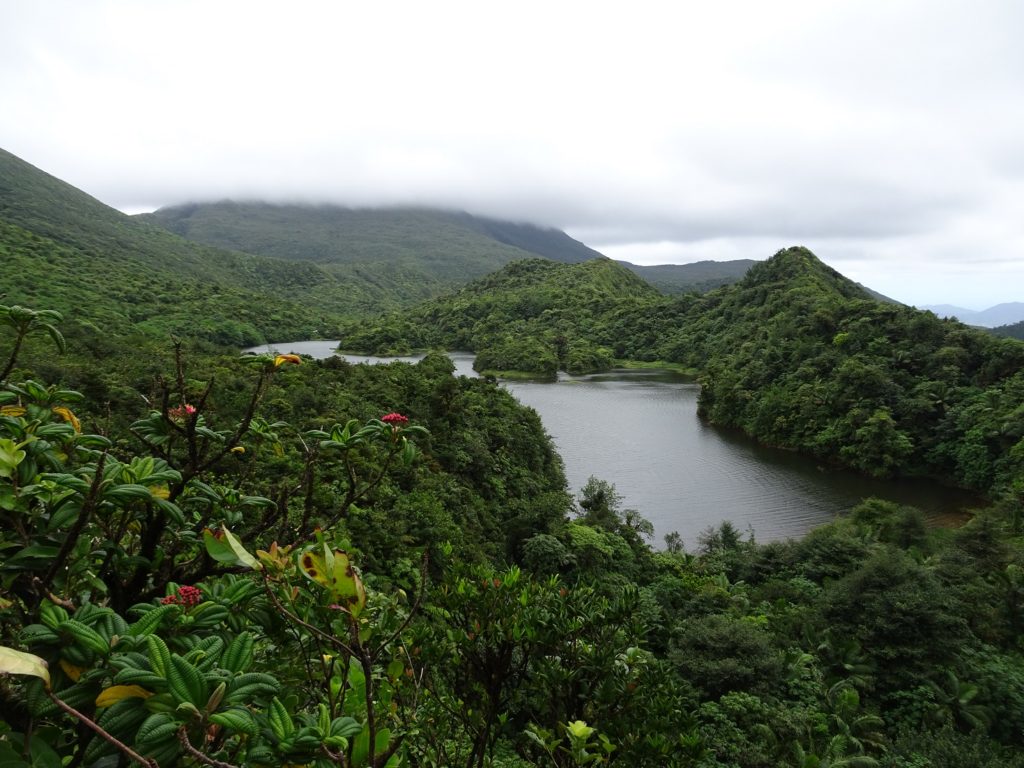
(639, 430)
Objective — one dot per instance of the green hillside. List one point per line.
(176, 521)
(1014, 331)
(532, 316)
(436, 245)
(67, 250)
(403, 246)
(795, 354)
(800, 357)
(698, 277)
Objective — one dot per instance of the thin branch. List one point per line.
(110, 739)
(412, 611)
(204, 759)
(83, 517)
(331, 639)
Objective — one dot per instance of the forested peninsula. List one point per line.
(216, 559)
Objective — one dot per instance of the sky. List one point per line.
(885, 135)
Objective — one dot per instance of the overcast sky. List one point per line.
(886, 136)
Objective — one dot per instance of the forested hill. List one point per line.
(800, 357)
(698, 277)
(442, 248)
(64, 250)
(442, 245)
(795, 354)
(532, 316)
(1014, 331)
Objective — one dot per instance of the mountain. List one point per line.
(532, 316)
(441, 245)
(795, 354)
(799, 357)
(65, 250)
(1001, 314)
(1013, 331)
(438, 247)
(699, 277)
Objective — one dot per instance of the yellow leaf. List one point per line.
(116, 693)
(14, 662)
(12, 410)
(293, 359)
(334, 571)
(160, 491)
(68, 416)
(71, 670)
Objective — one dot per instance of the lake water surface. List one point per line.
(639, 430)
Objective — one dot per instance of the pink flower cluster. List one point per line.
(185, 596)
(395, 419)
(181, 413)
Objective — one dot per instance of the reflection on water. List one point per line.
(639, 430)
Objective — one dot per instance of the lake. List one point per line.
(639, 430)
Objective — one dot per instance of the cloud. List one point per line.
(887, 133)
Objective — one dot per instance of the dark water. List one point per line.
(639, 430)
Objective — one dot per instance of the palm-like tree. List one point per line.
(956, 702)
(26, 321)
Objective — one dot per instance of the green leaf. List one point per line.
(159, 655)
(225, 548)
(333, 569)
(186, 682)
(345, 727)
(85, 635)
(150, 620)
(280, 721)
(237, 719)
(129, 492)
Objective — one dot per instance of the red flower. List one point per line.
(185, 596)
(180, 414)
(395, 419)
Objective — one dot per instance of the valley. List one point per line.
(209, 558)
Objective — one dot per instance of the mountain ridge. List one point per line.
(1006, 313)
(446, 247)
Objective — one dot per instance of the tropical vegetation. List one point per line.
(218, 559)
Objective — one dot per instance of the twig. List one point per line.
(331, 639)
(205, 759)
(107, 737)
(83, 517)
(412, 611)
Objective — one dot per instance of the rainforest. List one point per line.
(209, 558)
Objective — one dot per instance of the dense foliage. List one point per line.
(697, 277)
(794, 354)
(1014, 331)
(153, 582)
(270, 561)
(436, 245)
(533, 316)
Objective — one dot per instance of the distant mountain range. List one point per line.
(449, 247)
(1001, 314)
(242, 273)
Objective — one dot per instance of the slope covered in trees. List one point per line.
(795, 355)
(798, 356)
(1015, 331)
(437, 247)
(103, 265)
(443, 245)
(698, 277)
(404, 537)
(532, 316)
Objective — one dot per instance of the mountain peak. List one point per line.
(796, 265)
